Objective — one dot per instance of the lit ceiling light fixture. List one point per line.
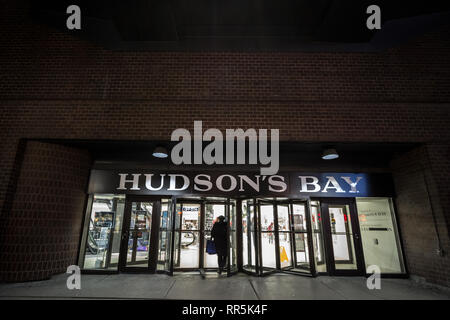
(330, 154)
(160, 152)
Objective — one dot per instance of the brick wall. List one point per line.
(40, 234)
(41, 63)
(420, 197)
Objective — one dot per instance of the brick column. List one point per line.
(421, 178)
(41, 230)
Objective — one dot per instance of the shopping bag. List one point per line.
(210, 247)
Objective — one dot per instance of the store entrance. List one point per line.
(342, 238)
(139, 242)
(193, 224)
(277, 235)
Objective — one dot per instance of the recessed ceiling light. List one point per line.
(160, 152)
(330, 154)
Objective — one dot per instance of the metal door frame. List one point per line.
(203, 202)
(357, 244)
(154, 234)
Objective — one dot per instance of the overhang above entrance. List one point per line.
(305, 25)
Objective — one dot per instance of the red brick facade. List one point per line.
(54, 86)
(422, 205)
(40, 234)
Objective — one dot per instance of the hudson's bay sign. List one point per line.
(241, 184)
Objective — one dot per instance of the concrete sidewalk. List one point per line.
(192, 286)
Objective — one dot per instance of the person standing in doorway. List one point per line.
(219, 234)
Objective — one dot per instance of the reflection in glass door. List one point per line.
(249, 236)
(284, 236)
(275, 236)
(232, 256)
(301, 240)
(140, 235)
(344, 253)
(342, 237)
(292, 236)
(165, 236)
(187, 236)
(103, 234)
(267, 237)
(318, 238)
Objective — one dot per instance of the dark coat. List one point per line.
(219, 233)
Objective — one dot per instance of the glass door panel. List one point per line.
(279, 239)
(301, 251)
(284, 237)
(379, 234)
(342, 238)
(249, 242)
(194, 220)
(300, 234)
(187, 236)
(103, 236)
(189, 249)
(318, 239)
(341, 234)
(139, 234)
(232, 256)
(267, 237)
(212, 212)
(165, 235)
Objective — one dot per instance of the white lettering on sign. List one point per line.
(199, 181)
(309, 184)
(219, 183)
(279, 184)
(250, 182)
(148, 182)
(313, 181)
(173, 178)
(134, 181)
(335, 185)
(351, 183)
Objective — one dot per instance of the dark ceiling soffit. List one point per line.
(292, 146)
(394, 32)
(353, 154)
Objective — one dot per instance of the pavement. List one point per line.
(214, 287)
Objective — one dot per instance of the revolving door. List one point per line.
(275, 236)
